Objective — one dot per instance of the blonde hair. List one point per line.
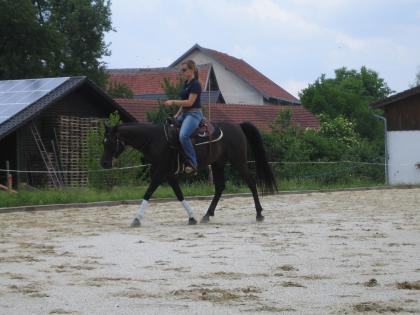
(191, 65)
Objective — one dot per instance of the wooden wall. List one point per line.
(8, 152)
(80, 103)
(404, 114)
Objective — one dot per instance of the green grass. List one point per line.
(81, 195)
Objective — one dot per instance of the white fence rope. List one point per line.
(147, 165)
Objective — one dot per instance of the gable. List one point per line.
(245, 72)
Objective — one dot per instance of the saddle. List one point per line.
(205, 133)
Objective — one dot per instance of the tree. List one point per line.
(417, 81)
(349, 95)
(172, 91)
(26, 45)
(54, 38)
(119, 90)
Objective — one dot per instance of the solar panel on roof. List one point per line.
(16, 95)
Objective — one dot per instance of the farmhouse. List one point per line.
(44, 125)
(233, 90)
(402, 121)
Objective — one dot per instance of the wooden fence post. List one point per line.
(9, 177)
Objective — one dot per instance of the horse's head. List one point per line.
(113, 146)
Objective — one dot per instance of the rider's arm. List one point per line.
(183, 103)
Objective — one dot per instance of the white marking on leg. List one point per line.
(187, 208)
(142, 208)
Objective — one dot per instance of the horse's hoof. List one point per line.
(135, 223)
(260, 218)
(205, 219)
(192, 221)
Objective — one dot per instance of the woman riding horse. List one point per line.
(189, 113)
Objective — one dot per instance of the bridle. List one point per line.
(119, 147)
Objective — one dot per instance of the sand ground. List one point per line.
(317, 253)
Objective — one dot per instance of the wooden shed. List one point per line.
(44, 124)
(402, 118)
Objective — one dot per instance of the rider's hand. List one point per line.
(169, 103)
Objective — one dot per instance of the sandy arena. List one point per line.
(317, 253)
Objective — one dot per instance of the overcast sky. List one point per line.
(290, 41)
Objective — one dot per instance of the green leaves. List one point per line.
(119, 90)
(172, 91)
(41, 38)
(348, 95)
(417, 80)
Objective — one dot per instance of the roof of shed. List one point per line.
(23, 100)
(396, 97)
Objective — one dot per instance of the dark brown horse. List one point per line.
(232, 148)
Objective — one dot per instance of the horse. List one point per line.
(152, 141)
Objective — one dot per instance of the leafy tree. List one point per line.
(336, 140)
(282, 121)
(339, 129)
(172, 91)
(349, 95)
(119, 90)
(100, 178)
(54, 38)
(417, 80)
(26, 45)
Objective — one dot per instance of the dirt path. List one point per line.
(343, 252)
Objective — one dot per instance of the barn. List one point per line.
(402, 123)
(44, 124)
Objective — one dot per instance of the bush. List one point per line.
(322, 155)
(100, 178)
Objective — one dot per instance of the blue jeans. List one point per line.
(190, 122)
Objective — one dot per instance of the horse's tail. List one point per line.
(265, 176)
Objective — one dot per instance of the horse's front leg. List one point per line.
(219, 184)
(180, 196)
(154, 184)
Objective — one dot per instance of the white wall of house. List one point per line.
(234, 89)
(404, 153)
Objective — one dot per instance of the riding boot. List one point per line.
(190, 169)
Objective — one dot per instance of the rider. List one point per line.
(189, 113)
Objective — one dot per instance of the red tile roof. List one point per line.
(245, 71)
(138, 108)
(260, 115)
(149, 80)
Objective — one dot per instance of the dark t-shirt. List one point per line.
(193, 87)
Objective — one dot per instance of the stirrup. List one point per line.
(190, 169)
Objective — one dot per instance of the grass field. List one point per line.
(80, 195)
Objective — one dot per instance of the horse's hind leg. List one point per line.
(219, 184)
(180, 196)
(243, 170)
